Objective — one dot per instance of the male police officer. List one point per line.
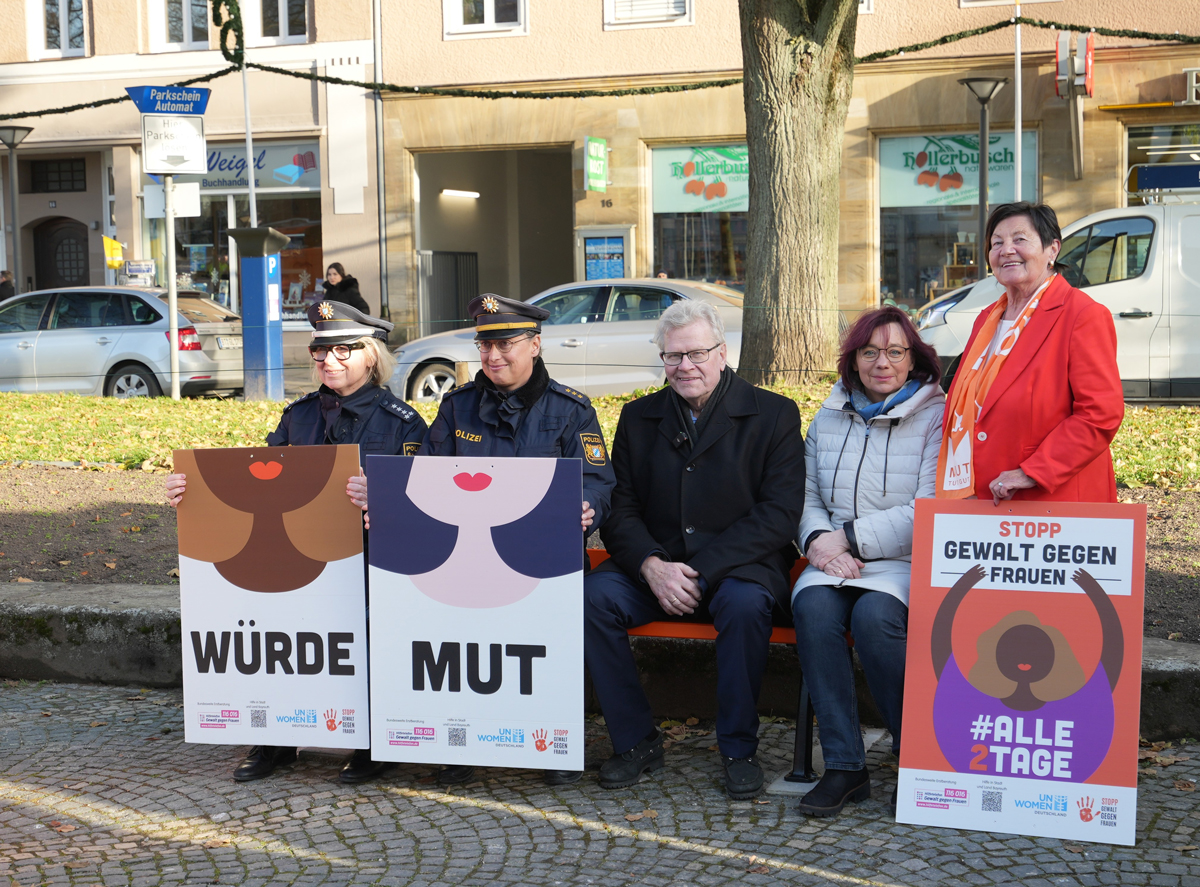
(514, 408)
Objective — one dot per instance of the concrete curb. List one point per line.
(130, 634)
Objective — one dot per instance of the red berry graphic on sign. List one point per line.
(951, 180)
(695, 186)
(689, 169)
(922, 158)
(539, 740)
(928, 177)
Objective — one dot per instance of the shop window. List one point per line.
(622, 14)
(56, 176)
(59, 28)
(178, 25)
(701, 194)
(484, 18)
(1107, 252)
(1162, 144)
(276, 21)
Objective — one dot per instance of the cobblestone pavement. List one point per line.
(97, 787)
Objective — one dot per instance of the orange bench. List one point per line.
(802, 756)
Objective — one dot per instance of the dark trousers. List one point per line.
(741, 611)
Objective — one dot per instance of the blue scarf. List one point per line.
(868, 410)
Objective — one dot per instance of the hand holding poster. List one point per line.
(272, 597)
(476, 611)
(1023, 677)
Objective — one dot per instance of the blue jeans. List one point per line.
(879, 623)
(741, 611)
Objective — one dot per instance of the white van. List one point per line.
(1140, 262)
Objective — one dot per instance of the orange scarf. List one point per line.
(956, 461)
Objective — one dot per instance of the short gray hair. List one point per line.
(686, 312)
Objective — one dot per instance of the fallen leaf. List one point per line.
(1147, 771)
(126, 513)
(135, 529)
(650, 814)
(633, 817)
(667, 743)
(23, 579)
(64, 563)
(692, 722)
(78, 865)
(135, 698)
(219, 842)
(1166, 760)
(1175, 636)
(111, 566)
(1073, 848)
(174, 572)
(45, 714)
(152, 739)
(72, 523)
(761, 801)
(83, 573)
(759, 870)
(66, 828)
(1188, 848)
(98, 724)
(88, 553)
(713, 748)
(1185, 785)
(55, 822)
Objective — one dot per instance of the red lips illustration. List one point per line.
(472, 483)
(265, 470)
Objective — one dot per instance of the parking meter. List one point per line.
(262, 311)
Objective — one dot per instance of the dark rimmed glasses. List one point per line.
(675, 358)
(341, 352)
(502, 345)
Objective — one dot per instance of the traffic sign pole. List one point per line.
(172, 293)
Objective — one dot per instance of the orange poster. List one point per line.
(1023, 677)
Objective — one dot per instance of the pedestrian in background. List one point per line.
(6, 285)
(341, 287)
(1037, 398)
(871, 450)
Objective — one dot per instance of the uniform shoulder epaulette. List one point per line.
(302, 399)
(571, 393)
(465, 386)
(395, 405)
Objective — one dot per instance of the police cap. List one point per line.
(499, 318)
(336, 323)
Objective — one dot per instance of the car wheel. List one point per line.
(431, 383)
(132, 380)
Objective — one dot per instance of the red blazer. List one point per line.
(1056, 405)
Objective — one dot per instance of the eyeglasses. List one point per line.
(502, 345)
(895, 355)
(675, 358)
(341, 352)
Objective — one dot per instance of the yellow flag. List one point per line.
(114, 256)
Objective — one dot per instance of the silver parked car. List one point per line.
(596, 340)
(115, 341)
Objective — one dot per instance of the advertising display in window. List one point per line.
(701, 194)
(1167, 143)
(929, 208)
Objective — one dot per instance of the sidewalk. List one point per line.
(97, 787)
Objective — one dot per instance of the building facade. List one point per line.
(493, 194)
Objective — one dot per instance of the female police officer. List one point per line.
(514, 408)
(351, 406)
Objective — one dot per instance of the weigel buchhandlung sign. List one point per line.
(476, 572)
(272, 598)
(1023, 679)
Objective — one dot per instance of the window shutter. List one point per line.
(649, 10)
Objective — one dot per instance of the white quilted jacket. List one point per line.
(870, 473)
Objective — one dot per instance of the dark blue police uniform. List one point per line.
(372, 417)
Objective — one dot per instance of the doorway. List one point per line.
(60, 254)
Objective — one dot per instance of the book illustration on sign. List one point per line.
(1025, 707)
(459, 520)
(260, 533)
(291, 173)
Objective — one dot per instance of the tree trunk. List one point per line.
(799, 70)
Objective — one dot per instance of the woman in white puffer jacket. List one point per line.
(871, 450)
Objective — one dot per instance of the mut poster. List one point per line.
(272, 598)
(476, 572)
(1023, 678)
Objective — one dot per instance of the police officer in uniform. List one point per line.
(351, 406)
(513, 408)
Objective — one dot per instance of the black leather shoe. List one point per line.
(743, 777)
(895, 794)
(456, 774)
(262, 761)
(360, 767)
(836, 787)
(562, 777)
(627, 768)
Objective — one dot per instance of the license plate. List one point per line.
(229, 341)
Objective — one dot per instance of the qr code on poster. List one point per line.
(458, 737)
(991, 801)
(258, 718)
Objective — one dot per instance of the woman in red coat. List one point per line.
(1037, 398)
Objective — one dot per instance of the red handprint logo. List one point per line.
(331, 721)
(539, 740)
(1085, 808)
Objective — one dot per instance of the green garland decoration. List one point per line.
(227, 16)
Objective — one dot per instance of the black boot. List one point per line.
(562, 777)
(836, 787)
(456, 774)
(627, 768)
(743, 777)
(262, 761)
(360, 767)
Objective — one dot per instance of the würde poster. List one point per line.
(272, 597)
(1023, 677)
(476, 573)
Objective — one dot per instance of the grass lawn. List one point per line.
(1155, 446)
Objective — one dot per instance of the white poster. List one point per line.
(272, 598)
(476, 572)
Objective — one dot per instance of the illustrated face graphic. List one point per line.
(245, 479)
(464, 492)
(1025, 654)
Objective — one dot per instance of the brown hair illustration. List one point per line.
(1020, 657)
(269, 518)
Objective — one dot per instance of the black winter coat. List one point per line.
(372, 417)
(730, 508)
(346, 291)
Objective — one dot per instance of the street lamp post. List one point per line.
(12, 136)
(984, 89)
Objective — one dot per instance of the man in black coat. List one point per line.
(710, 486)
